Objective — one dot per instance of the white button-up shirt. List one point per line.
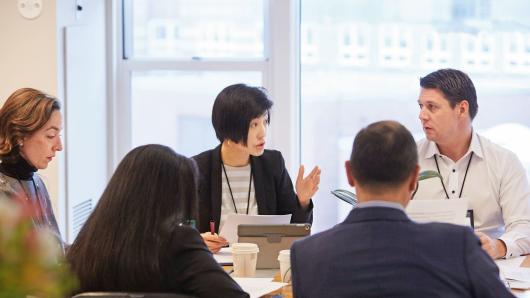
(496, 187)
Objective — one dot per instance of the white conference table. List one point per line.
(287, 291)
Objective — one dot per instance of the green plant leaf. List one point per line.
(345, 195)
(351, 198)
(428, 174)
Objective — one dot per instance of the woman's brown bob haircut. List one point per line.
(23, 113)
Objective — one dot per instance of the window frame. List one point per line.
(280, 69)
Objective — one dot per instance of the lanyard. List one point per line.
(463, 182)
(230, 188)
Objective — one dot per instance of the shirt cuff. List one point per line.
(512, 250)
(310, 206)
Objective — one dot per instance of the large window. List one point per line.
(170, 58)
(174, 107)
(362, 60)
(199, 29)
(176, 56)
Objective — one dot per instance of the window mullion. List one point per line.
(193, 65)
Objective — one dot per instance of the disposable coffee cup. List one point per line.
(284, 257)
(245, 256)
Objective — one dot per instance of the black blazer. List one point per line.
(380, 252)
(186, 267)
(191, 268)
(272, 185)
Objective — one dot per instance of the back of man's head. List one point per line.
(384, 155)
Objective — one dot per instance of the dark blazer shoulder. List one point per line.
(435, 235)
(445, 229)
(203, 157)
(193, 270)
(270, 155)
(193, 239)
(272, 160)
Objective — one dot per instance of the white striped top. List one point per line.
(239, 181)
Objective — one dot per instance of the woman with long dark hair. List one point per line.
(139, 237)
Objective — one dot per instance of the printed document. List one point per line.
(257, 287)
(449, 211)
(513, 274)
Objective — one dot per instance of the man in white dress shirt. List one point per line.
(491, 177)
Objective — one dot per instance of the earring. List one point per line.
(20, 144)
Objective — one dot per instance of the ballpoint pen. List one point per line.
(212, 227)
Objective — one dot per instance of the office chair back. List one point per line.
(129, 295)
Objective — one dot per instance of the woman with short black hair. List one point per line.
(239, 175)
(139, 238)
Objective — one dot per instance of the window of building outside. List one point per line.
(178, 57)
(187, 98)
(362, 60)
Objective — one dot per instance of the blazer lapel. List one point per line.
(259, 190)
(216, 195)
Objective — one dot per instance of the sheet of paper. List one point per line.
(229, 229)
(448, 211)
(509, 267)
(519, 285)
(224, 256)
(519, 274)
(510, 263)
(257, 287)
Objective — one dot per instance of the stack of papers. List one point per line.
(257, 287)
(448, 211)
(518, 278)
(511, 272)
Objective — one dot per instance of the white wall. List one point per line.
(32, 54)
(28, 58)
(83, 42)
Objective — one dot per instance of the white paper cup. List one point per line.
(245, 256)
(284, 257)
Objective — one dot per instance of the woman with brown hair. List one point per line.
(30, 126)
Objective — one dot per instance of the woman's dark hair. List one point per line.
(235, 107)
(152, 191)
(455, 85)
(25, 111)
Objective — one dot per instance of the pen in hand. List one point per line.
(212, 240)
(212, 227)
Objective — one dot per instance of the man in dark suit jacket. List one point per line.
(378, 251)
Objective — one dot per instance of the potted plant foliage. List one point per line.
(31, 261)
(351, 198)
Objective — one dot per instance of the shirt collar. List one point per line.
(380, 203)
(474, 146)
